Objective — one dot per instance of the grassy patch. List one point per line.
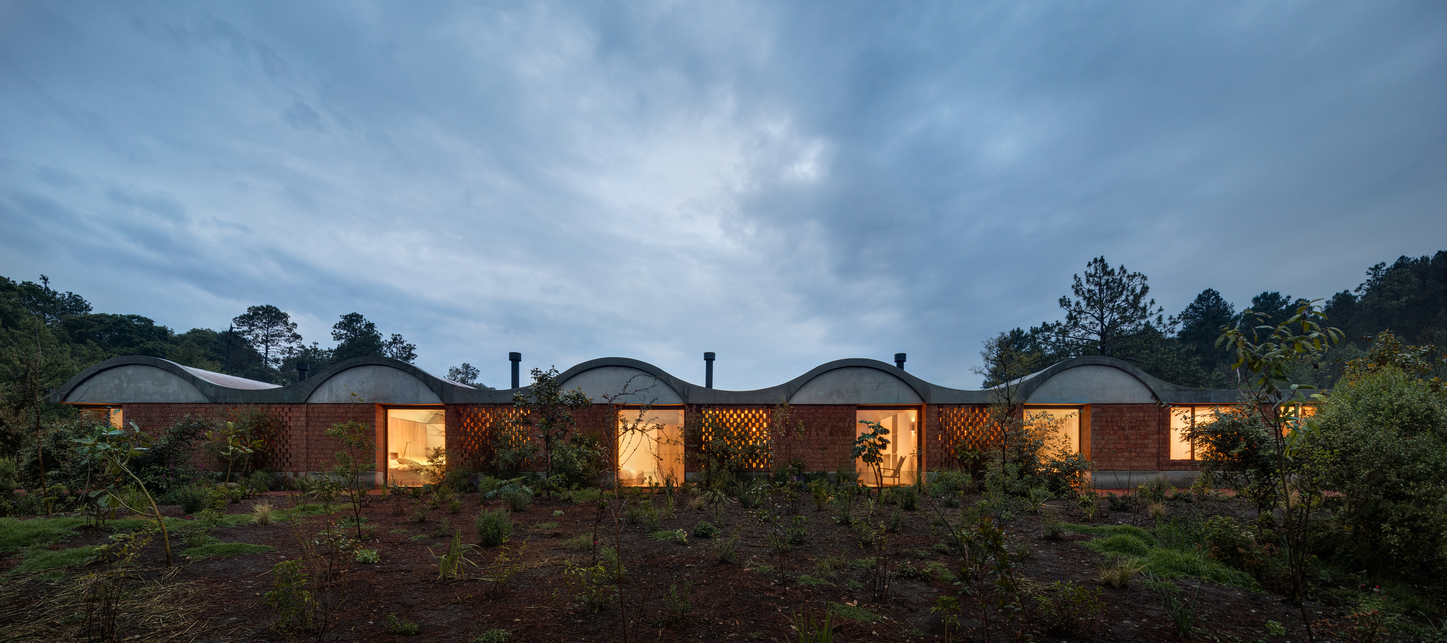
(17, 534)
(225, 550)
(42, 559)
(419, 537)
(805, 579)
(399, 530)
(854, 613)
(1162, 561)
(1123, 544)
(545, 526)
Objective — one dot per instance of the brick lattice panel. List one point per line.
(477, 426)
(970, 426)
(741, 426)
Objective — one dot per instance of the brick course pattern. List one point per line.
(303, 447)
(1129, 437)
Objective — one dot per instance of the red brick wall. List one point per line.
(1129, 437)
(828, 436)
(303, 447)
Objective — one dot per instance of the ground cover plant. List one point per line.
(556, 576)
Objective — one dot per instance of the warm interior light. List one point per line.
(650, 446)
(901, 464)
(412, 436)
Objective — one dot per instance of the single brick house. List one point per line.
(1127, 422)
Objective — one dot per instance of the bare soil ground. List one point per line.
(754, 598)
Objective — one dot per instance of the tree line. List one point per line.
(1109, 312)
(48, 336)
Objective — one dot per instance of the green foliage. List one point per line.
(546, 412)
(704, 530)
(192, 498)
(589, 585)
(399, 626)
(1383, 439)
(493, 527)
(290, 597)
(869, 447)
(1236, 448)
(726, 447)
(451, 564)
(369, 556)
(352, 462)
(1183, 614)
(812, 629)
(224, 550)
(577, 461)
(35, 560)
(1068, 609)
(854, 613)
(493, 636)
(16, 534)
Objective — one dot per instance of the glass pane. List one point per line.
(650, 446)
(1064, 424)
(1181, 418)
(412, 436)
(900, 461)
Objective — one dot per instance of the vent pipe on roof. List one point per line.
(301, 371)
(708, 370)
(899, 360)
(516, 359)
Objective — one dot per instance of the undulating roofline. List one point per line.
(1082, 380)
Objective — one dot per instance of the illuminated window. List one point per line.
(1063, 425)
(110, 414)
(1290, 414)
(650, 446)
(413, 436)
(900, 461)
(1183, 419)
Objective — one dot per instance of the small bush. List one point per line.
(518, 501)
(493, 636)
(1068, 609)
(726, 550)
(399, 626)
(192, 498)
(368, 556)
(704, 529)
(493, 527)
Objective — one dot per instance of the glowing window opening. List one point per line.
(650, 446)
(901, 459)
(414, 436)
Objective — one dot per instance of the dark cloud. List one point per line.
(781, 183)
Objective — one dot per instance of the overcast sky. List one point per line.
(782, 183)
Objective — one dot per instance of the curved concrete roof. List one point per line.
(1082, 380)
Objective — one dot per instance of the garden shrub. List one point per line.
(1382, 436)
(1067, 609)
(192, 498)
(576, 462)
(493, 527)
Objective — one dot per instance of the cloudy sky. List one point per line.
(782, 183)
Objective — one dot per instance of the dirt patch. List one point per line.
(674, 591)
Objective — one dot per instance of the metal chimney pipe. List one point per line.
(708, 370)
(899, 360)
(301, 371)
(516, 359)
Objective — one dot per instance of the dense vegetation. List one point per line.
(1109, 312)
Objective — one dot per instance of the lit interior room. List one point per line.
(901, 461)
(412, 434)
(650, 446)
